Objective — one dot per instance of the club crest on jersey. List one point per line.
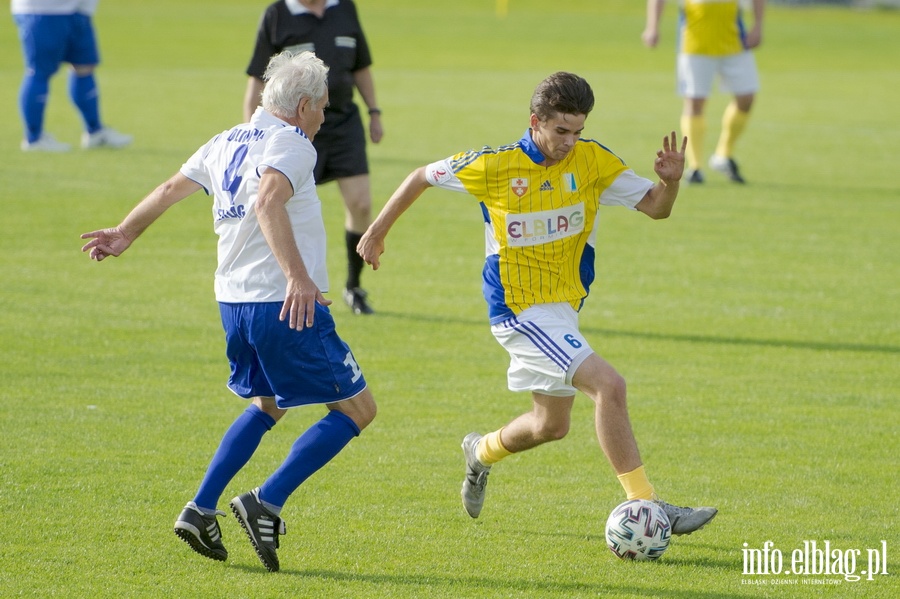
(519, 186)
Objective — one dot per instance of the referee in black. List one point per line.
(331, 29)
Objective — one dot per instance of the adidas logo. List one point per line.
(213, 531)
(545, 186)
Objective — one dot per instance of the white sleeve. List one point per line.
(441, 175)
(195, 167)
(627, 190)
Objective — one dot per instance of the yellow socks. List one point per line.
(733, 123)
(636, 484)
(490, 449)
(694, 128)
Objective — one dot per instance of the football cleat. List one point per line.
(201, 532)
(685, 520)
(475, 483)
(45, 143)
(356, 298)
(261, 526)
(105, 138)
(694, 177)
(727, 167)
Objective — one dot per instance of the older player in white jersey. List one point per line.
(280, 336)
(53, 32)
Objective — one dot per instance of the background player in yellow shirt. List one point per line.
(712, 40)
(539, 197)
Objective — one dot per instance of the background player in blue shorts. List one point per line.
(53, 32)
(280, 336)
(332, 30)
(540, 198)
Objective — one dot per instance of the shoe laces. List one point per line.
(477, 479)
(677, 510)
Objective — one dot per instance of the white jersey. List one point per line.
(53, 7)
(229, 167)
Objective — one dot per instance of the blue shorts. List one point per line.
(270, 359)
(49, 40)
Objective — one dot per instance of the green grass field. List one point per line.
(758, 327)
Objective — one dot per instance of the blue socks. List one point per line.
(315, 448)
(84, 94)
(235, 450)
(32, 102)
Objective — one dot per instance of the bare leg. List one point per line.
(606, 387)
(548, 420)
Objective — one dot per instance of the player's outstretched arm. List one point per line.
(371, 246)
(669, 167)
(112, 242)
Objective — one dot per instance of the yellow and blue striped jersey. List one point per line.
(711, 27)
(540, 222)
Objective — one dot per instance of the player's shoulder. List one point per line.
(483, 154)
(596, 149)
(288, 135)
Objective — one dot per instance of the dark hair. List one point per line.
(562, 93)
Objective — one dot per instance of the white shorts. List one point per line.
(545, 349)
(737, 74)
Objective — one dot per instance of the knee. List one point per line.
(82, 70)
(366, 415)
(361, 409)
(359, 209)
(613, 390)
(268, 406)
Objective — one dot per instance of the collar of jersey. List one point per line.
(296, 8)
(530, 148)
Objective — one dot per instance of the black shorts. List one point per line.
(341, 149)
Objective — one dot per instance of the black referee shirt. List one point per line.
(337, 38)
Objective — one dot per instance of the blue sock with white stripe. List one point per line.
(315, 448)
(84, 94)
(237, 446)
(32, 102)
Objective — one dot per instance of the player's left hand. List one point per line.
(669, 163)
(299, 307)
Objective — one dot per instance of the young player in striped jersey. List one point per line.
(713, 41)
(540, 198)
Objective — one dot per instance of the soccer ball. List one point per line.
(638, 529)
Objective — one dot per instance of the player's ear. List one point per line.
(303, 105)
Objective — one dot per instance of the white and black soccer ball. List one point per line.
(639, 530)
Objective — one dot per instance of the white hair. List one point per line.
(289, 78)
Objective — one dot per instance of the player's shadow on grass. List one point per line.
(486, 587)
(685, 338)
(792, 343)
(670, 556)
